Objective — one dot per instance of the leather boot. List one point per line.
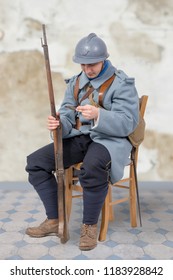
(48, 227)
(88, 239)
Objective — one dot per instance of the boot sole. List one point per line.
(87, 248)
(42, 235)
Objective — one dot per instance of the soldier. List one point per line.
(100, 143)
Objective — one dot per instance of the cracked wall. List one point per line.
(139, 39)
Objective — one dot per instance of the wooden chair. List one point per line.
(72, 185)
(74, 190)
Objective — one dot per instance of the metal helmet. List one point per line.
(90, 49)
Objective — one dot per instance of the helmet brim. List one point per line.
(88, 60)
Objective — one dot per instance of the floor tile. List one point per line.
(21, 207)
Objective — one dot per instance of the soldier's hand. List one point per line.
(52, 123)
(89, 112)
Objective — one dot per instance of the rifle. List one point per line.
(63, 232)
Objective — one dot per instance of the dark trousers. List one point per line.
(93, 176)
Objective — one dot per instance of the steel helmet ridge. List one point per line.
(90, 49)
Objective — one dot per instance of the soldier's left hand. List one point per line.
(89, 112)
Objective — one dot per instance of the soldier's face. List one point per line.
(92, 70)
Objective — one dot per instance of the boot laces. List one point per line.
(88, 230)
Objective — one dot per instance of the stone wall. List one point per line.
(24, 109)
(139, 39)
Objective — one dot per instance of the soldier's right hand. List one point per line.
(52, 123)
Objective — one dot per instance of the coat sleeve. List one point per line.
(122, 117)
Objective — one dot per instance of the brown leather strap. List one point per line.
(86, 94)
(76, 89)
(103, 88)
(92, 102)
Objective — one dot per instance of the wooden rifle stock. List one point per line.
(58, 150)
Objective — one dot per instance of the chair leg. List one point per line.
(132, 190)
(111, 212)
(105, 216)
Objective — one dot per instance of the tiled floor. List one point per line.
(20, 208)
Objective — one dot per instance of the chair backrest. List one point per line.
(143, 103)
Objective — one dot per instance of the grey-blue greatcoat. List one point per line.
(116, 121)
